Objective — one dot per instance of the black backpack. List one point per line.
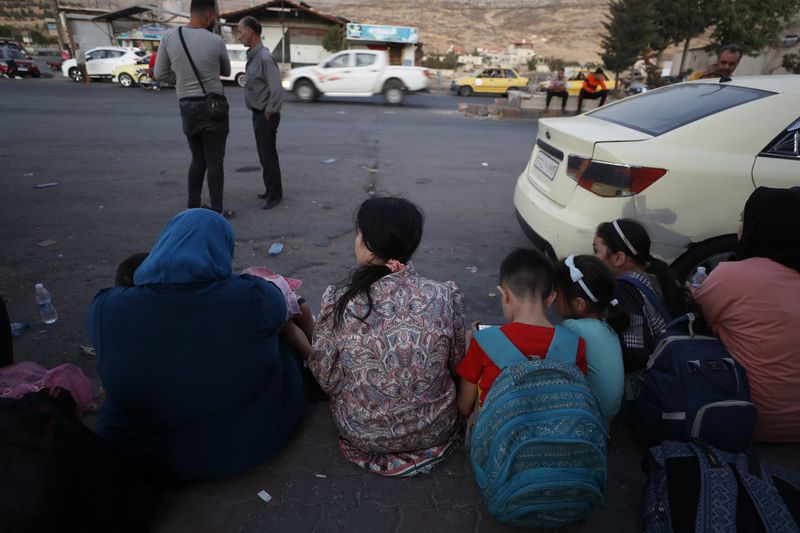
(57, 475)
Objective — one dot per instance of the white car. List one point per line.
(237, 53)
(101, 62)
(681, 159)
(355, 73)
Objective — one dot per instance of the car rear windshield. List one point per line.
(664, 110)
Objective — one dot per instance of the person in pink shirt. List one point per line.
(753, 304)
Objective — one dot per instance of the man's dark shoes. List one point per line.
(263, 196)
(272, 202)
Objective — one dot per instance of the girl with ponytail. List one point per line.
(386, 347)
(624, 246)
(585, 300)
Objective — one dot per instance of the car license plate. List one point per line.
(546, 164)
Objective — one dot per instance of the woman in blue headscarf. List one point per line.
(197, 383)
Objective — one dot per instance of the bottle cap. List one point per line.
(39, 286)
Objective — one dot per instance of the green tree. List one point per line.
(752, 24)
(630, 29)
(791, 62)
(334, 39)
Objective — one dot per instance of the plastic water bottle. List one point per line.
(46, 309)
(699, 277)
(17, 328)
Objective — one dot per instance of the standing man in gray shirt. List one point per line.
(206, 135)
(263, 95)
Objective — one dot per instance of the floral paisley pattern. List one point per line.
(390, 377)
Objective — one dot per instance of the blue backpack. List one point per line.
(692, 487)
(694, 389)
(539, 448)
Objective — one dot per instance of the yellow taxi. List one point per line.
(575, 81)
(490, 80)
(130, 75)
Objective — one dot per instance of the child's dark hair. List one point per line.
(126, 269)
(600, 281)
(676, 297)
(527, 273)
(391, 228)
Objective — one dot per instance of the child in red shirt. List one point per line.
(526, 289)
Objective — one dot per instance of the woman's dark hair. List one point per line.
(391, 228)
(600, 281)
(126, 269)
(676, 297)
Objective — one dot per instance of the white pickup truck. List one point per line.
(356, 73)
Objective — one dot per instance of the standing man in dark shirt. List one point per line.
(206, 135)
(263, 95)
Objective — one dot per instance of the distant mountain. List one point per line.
(568, 29)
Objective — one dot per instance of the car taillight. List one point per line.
(428, 74)
(611, 179)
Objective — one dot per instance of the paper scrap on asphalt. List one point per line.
(46, 185)
(472, 269)
(368, 168)
(328, 161)
(275, 249)
(46, 243)
(264, 495)
(484, 164)
(88, 351)
(492, 295)
(321, 476)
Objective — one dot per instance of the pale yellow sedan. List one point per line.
(129, 75)
(492, 80)
(682, 159)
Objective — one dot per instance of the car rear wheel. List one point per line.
(305, 92)
(125, 80)
(240, 79)
(709, 254)
(75, 74)
(393, 93)
(466, 90)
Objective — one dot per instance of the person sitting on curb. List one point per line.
(752, 304)
(386, 348)
(198, 384)
(557, 87)
(594, 87)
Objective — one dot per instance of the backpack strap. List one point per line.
(648, 293)
(757, 481)
(498, 348)
(564, 346)
(503, 353)
(716, 508)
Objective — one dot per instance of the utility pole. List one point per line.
(62, 28)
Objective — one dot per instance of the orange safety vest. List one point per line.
(593, 83)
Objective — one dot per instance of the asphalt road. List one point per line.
(120, 161)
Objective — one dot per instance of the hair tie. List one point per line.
(395, 266)
(614, 302)
(624, 238)
(577, 277)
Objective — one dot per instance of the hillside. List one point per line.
(559, 28)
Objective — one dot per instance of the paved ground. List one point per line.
(120, 161)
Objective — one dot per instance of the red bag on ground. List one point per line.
(21, 378)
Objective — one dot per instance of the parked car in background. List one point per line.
(132, 73)
(357, 73)
(575, 82)
(636, 88)
(101, 62)
(491, 80)
(682, 159)
(24, 64)
(237, 53)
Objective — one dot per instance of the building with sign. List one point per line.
(292, 31)
(399, 42)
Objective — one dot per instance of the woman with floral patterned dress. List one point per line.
(386, 348)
